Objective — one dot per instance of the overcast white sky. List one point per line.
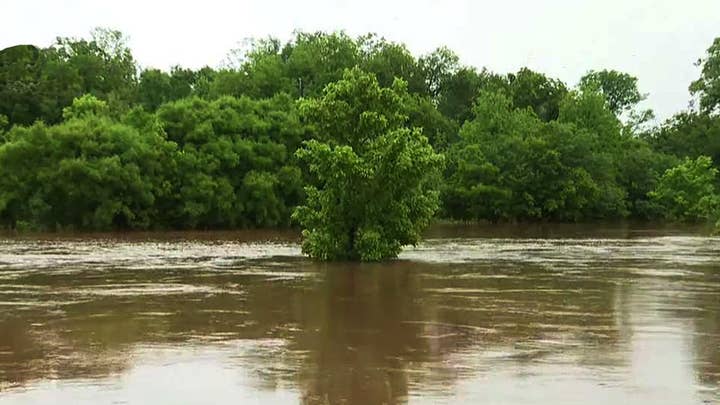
(655, 40)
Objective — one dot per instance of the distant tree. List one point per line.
(261, 71)
(535, 90)
(510, 165)
(389, 60)
(154, 88)
(440, 130)
(88, 172)
(21, 99)
(104, 64)
(235, 165)
(36, 84)
(316, 59)
(688, 134)
(459, 91)
(640, 168)
(707, 87)
(688, 192)
(374, 188)
(619, 89)
(86, 106)
(438, 67)
(157, 87)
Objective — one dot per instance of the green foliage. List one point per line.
(640, 167)
(459, 91)
(105, 63)
(20, 96)
(689, 134)
(87, 140)
(510, 165)
(438, 67)
(197, 164)
(235, 161)
(84, 106)
(707, 87)
(422, 113)
(88, 172)
(619, 89)
(157, 87)
(337, 51)
(388, 60)
(695, 133)
(102, 66)
(688, 192)
(537, 91)
(36, 84)
(363, 147)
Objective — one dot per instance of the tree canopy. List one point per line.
(688, 192)
(362, 147)
(707, 87)
(364, 138)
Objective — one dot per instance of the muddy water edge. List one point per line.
(510, 315)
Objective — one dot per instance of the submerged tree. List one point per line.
(375, 178)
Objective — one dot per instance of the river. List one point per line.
(494, 315)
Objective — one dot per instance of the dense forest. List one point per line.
(89, 140)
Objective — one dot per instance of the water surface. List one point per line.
(518, 315)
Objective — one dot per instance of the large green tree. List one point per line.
(375, 178)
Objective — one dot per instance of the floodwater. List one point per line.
(543, 315)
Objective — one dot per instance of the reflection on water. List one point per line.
(544, 317)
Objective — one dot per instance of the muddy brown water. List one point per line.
(500, 315)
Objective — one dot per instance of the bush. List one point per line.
(687, 192)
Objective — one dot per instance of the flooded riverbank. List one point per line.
(507, 315)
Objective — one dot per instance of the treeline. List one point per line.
(89, 140)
